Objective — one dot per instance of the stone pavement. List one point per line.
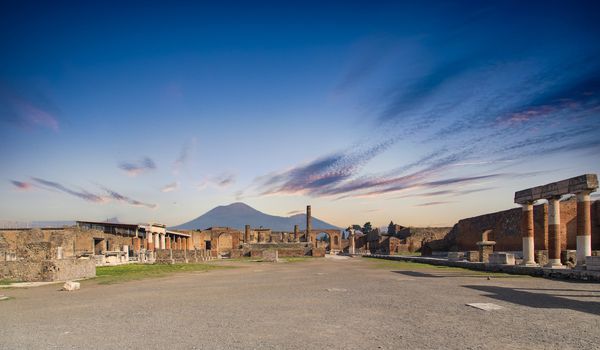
(321, 303)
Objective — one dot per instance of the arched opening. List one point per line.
(323, 240)
(225, 245)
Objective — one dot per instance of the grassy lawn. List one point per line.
(407, 253)
(6, 281)
(434, 269)
(123, 273)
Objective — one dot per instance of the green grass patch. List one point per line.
(295, 259)
(408, 253)
(434, 269)
(124, 273)
(6, 281)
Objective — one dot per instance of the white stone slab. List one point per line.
(485, 306)
(71, 286)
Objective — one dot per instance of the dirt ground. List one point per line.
(356, 303)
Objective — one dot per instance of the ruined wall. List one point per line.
(506, 228)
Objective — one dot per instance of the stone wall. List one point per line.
(506, 228)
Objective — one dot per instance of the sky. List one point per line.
(419, 112)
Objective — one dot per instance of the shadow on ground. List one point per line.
(446, 274)
(538, 300)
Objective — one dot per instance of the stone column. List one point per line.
(584, 227)
(247, 234)
(554, 233)
(168, 243)
(352, 242)
(308, 223)
(527, 234)
(163, 244)
(178, 243)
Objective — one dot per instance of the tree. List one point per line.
(367, 228)
(391, 228)
(357, 227)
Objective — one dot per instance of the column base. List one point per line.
(554, 264)
(529, 264)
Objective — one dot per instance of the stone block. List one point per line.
(568, 257)
(541, 257)
(592, 263)
(472, 256)
(502, 259)
(456, 256)
(70, 286)
(270, 256)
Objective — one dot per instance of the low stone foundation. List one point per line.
(573, 274)
(48, 270)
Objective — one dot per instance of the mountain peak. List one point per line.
(238, 214)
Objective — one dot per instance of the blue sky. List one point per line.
(422, 113)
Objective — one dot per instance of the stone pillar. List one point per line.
(527, 234)
(308, 222)
(168, 243)
(178, 243)
(136, 245)
(247, 234)
(352, 242)
(156, 238)
(163, 244)
(554, 233)
(584, 227)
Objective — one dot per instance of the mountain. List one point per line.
(237, 215)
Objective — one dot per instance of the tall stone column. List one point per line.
(247, 234)
(156, 241)
(584, 227)
(554, 233)
(168, 243)
(308, 223)
(527, 234)
(162, 241)
(352, 242)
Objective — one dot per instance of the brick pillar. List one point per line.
(168, 242)
(527, 234)
(308, 222)
(136, 244)
(178, 243)
(247, 234)
(190, 243)
(554, 233)
(584, 227)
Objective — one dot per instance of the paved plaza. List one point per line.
(353, 303)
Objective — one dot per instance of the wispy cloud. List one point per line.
(323, 174)
(82, 194)
(294, 212)
(119, 197)
(429, 204)
(35, 111)
(89, 196)
(170, 187)
(223, 180)
(137, 168)
(185, 154)
(21, 185)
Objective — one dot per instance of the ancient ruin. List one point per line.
(581, 186)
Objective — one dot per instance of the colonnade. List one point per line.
(582, 186)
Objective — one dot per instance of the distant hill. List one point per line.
(237, 215)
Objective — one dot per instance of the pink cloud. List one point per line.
(23, 186)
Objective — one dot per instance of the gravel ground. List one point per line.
(321, 303)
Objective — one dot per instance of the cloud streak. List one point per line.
(137, 168)
(31, 112)
(170, 187)
(21, 185)
(89, 196)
